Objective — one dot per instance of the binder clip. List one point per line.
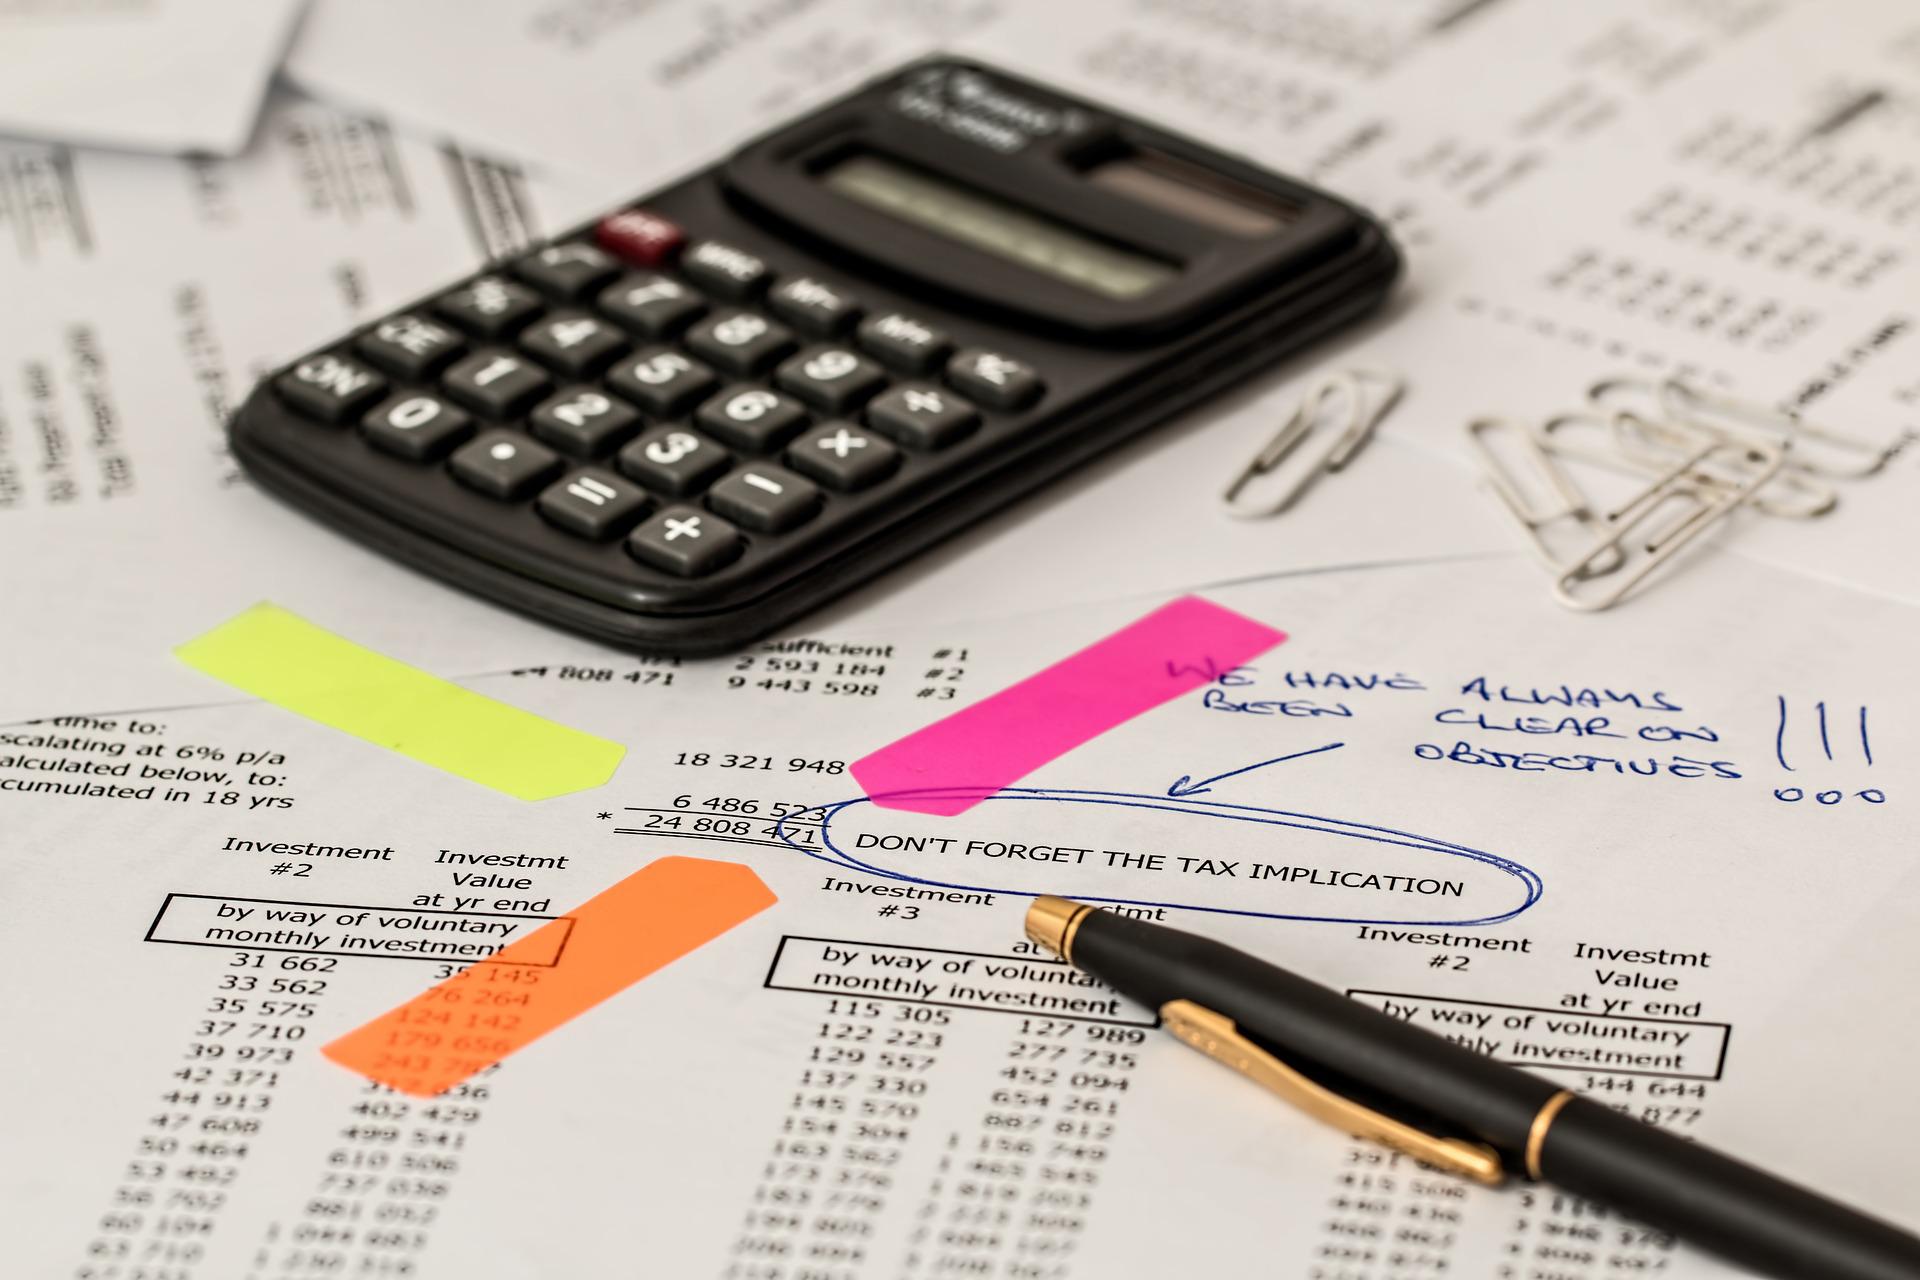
(1345, 406)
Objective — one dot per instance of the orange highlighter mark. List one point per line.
(506, 1002)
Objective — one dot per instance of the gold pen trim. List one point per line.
(1052, 922)
(1537, 1132)
(1216, 1036)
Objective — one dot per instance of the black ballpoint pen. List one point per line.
(1382, 1078)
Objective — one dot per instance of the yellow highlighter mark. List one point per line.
(286, 660)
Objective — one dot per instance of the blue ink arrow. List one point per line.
(1188, 787)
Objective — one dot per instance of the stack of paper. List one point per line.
(1656, 854)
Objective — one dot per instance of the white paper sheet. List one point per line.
(690, 1124)
(175, 76)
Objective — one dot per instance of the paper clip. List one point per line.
(1664, 435)
(1314, 410)
(1857, 457)
(1706, 487)
(1560, 499)
(1791, 494)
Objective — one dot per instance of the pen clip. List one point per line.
(1216, 1036)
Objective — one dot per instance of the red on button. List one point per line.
(642, 238)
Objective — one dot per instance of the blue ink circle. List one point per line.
(826, 813)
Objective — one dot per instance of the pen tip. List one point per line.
(1050, 923)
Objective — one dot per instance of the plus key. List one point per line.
(685, 541)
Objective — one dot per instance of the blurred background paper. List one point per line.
(643, 89)
(147, 75)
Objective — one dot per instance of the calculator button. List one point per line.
(651, 305)
(583, 422)
(842, 456)
(993, 379)
(831, 379)
(496, 383)
(922, 416)
(673, 461)
(642, 238)
(330, 388)
(417, 426)
(409, 347)
(503, 464)
(751, 418)
(813, 306)
(662, 381)
(904, 343)
(574, 343)
(685, 541)
(741, 342)
(490, 306)
(566, 271)
(766, 499)
(727, 271)
(592, 503)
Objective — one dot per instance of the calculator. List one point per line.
(684, 424)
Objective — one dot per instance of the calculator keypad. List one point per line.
(567, 271)
(814, 307)
(997, 381)
(642, 238)
(842, 456)
(410, 347)
(751, 418)
(831, 379)
(765, 499)
(744, 343)
(331, 388)
(662, 381)
(903, 343)
(593, 503)
(723, 414)
(725, 271)
(489, 307)
(417, 425)
(503, 464)
(674, 462)
(922, 416)
(496, 383)
(573, 343)
(583, 421)
(685, 541)
(652, 305)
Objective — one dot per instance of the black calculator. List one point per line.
(683, 425)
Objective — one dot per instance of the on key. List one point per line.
(330, 388)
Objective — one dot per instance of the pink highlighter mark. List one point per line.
(955, 763)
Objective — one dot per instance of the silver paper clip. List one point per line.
(1670, 424)
(1316, 410)
(1792, 494)
(1845, 456)
(1706, 487)
(1537, 507)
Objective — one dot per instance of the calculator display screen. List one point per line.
(986, 222)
